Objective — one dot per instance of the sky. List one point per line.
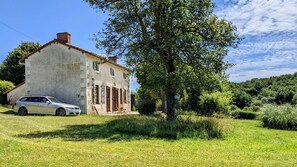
(268, 29)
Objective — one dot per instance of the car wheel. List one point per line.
(22, 111)
(60, 112)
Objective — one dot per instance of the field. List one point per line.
(85, 141)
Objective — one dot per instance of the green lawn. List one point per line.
(75, 141)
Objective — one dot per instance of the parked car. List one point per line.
(44, 105)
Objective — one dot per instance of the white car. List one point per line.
(44, 105)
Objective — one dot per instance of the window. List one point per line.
(95, 65)
(43, 99)
(24, 99)
(97, 94)
(32, 99)
(125, 75)
(111, 71)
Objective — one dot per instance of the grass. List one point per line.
(279, 117)
(86, 141)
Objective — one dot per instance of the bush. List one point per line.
(252, 108)
(242, 114)
(215, 102)
(146, 106)
(233, 107)
(4, 86)
(242, 99)
(257, 103)
(279, 117)
(294, 100)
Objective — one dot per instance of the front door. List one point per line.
(107, 99)
(115, 99)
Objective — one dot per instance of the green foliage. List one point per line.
(36, 140)
(280, 117)
(146, 104)
(164, 36)
(284, 95)
(280, 89)
(4, 86)
(241, 99)
(11, 69)
(233, 107)
(252, 108)
(177, 129)
(243, 114)
(217, 102)
(294, 100)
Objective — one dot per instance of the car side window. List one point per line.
(32, 99)
(29, 99)
(23, 99)
(43, 100)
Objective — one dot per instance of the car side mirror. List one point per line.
(48, 102)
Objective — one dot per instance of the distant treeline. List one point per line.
(255, 92)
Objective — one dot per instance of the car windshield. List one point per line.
(54, 100)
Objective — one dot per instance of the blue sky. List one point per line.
(269, 28)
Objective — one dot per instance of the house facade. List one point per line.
(76, 76)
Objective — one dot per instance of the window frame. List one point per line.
(96, 66)
(111, 71)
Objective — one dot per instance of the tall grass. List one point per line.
(279, 117)
(159, 128)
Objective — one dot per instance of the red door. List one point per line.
(107, 99)
(115, 99)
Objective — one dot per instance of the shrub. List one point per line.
(215, 102)
(242, 99)
(294, 100)
(252, 108)
(279, 117)
(257, 103)
(146, 106)
(233, 107)
(4, 86)
(243, 114)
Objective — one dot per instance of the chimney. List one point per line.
(64, 37)
(113, 59)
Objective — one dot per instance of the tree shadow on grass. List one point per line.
(9, 112)
(134, 128)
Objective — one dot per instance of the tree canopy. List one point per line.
(11, 69)
(166, 35)
(277, 89)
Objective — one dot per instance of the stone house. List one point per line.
(73, 75)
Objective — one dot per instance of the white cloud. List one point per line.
(269, 28)
(261, 16)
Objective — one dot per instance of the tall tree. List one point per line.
(175, 31)
(11, 69)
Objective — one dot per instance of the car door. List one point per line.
(32, 105)
(45, 107)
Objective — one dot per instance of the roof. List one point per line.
(74, 47)
(14, 87)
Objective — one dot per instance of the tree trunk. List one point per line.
(170, 91)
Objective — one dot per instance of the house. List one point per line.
(98, 85)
